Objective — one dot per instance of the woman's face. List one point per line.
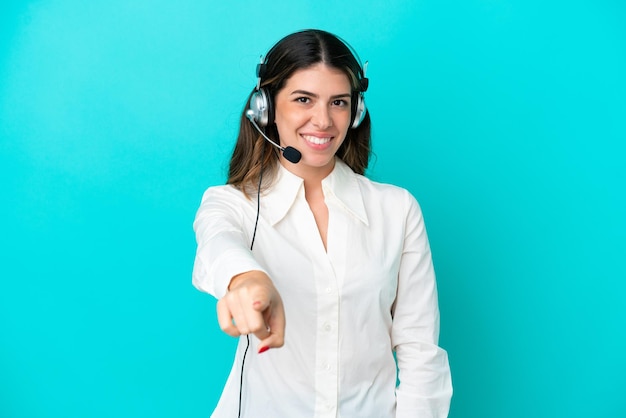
(313, 116)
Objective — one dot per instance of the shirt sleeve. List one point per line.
(223, 248)
(425, 387)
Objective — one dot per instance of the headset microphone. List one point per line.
(290, 153)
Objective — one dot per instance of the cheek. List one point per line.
(280, 110)
(343, 117)
(345, 129)
(289, 120)
(286, 126)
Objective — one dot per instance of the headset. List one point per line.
(261, 107)
(261, 111)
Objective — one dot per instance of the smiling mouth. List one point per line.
(317, 140)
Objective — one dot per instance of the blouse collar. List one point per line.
(341, 185)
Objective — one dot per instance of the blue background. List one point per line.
(506, 119)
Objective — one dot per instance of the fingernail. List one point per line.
(263, 349)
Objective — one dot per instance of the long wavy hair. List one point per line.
(297, 51)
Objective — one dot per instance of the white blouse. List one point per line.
(348, 309)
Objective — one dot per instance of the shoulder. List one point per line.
(225, 198)
(387, 199)
(225, 192)
(386, 193)
(373, 190)
(393, 205)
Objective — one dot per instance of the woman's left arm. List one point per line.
(425, 387)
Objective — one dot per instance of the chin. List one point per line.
(319, 163)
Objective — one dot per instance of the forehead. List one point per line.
(319, 77)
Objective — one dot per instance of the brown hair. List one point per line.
(294, 52)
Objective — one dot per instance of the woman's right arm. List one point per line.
(223, 249)
(226, 268)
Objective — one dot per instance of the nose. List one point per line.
(321, 116)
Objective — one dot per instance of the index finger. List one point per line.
(276, 336)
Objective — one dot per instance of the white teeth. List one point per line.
(316, 140)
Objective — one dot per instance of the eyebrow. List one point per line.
(308, 93)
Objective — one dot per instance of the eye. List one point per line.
(340, 103)
(303, 100)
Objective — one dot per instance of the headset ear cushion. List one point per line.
(260, 107)
(359, 114)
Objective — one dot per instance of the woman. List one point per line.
(325, 272)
